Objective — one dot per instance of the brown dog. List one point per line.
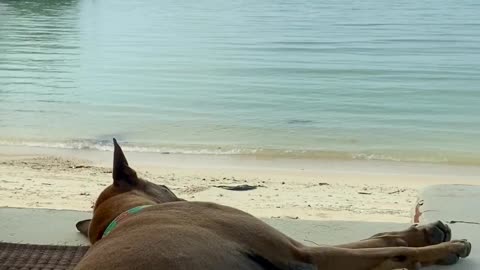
(140, 225)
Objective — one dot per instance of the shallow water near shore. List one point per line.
(313, 80)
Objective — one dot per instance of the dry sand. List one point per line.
(296, 189)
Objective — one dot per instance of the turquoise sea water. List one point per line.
(316, 79)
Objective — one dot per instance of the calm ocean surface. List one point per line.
(373, 79)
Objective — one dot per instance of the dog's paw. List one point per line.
(463, 248)
(436, 232)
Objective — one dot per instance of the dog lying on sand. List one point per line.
(137, 224)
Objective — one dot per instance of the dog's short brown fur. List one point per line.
(176, 234)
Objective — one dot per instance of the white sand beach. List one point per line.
(295, 189)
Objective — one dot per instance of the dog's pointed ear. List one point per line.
(122, 173)
(82, 226)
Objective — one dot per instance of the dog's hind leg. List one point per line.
(415, 236)
(389, 258)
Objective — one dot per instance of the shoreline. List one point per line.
(295, 188)
(399, 156)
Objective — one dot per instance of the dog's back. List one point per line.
(193, 235)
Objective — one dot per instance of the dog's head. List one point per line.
(125, 180)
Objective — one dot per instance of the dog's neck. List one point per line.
(108, 210)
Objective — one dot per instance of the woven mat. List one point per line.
(39, 257)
